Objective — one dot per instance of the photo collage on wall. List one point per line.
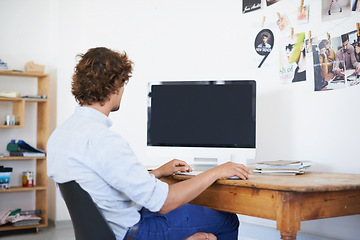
(336, 61)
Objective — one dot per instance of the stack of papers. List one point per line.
(282, 167)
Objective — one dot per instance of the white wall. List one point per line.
(180, 40)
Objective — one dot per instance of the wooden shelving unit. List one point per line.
(42, 134)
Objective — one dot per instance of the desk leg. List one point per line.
(288, 236)
(288, 217)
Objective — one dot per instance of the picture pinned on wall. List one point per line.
(347, 58)
(355, 6)
(335, 9)
(264, 43)
(270, 2)
(309, 46)
(323, 62)
(282, 22)
(303, 14)
(251, 5)
(337, 62)
(292, 59)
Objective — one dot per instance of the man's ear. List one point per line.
(116, 92)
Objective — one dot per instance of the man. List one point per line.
(326, 58)
(345, 58)
(296, 54)
(264, 47)
(357, 49)
(135, 203)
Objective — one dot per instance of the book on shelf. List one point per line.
(23, 149)
(26, 154)
(30, 212)
(27, 222)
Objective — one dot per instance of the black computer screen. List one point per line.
(202, 114)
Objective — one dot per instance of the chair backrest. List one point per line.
(88, 221)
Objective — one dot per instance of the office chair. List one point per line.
(88, 221)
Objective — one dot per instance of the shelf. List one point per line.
(7, 158)
(10, 99)
(22, 74)
(42, 131)
(19, 109)
(22, 189)
(11, 126)
(43, 80)
(9, 227)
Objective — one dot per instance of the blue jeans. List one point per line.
(185, 221)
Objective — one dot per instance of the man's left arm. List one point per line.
(354, 62)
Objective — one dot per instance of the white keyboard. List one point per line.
(193, 173)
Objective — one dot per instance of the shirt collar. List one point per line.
(89, 112)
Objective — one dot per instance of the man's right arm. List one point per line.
(183, 192)
(337, 63)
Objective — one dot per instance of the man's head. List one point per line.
(265, 37)
(99, 73)
(345, 41)
(326, 45)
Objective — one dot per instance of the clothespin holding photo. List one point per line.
(328, 35)
(302, 4)
(278, 14)
(263, 22)
(292, 33)
(358, 29)
(309, 34)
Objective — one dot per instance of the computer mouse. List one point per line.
(235, 178)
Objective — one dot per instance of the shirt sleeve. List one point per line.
(119, 167)
(354, 62)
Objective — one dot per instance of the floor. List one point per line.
(50, 233)
(65, 232)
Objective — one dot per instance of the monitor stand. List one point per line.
(205, 163)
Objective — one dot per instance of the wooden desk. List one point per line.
(286, 199)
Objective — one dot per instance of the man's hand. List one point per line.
(170, 168)
(323, 52)
(357, 49)
(231, 169)
(339, 72)
(357, 69)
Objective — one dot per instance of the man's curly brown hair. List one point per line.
(99, 72)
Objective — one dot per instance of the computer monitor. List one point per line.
(204, 123)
